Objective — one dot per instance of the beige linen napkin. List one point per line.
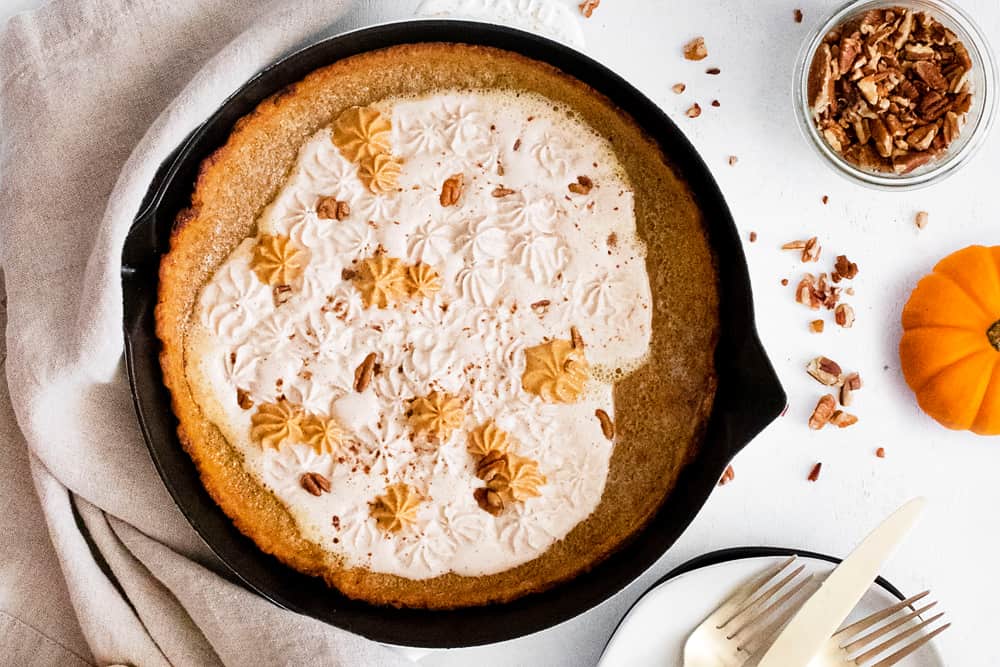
(93, 95)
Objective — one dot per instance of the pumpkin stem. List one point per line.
(993, 335)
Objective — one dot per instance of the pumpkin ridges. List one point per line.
(939, 300)
(950, 347)
(931, 350)
(987, 421)
(954, 397)
(975, 266)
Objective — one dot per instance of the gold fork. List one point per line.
(749, 619)
(850, 648)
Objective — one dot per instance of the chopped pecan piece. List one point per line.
(804, 292)
(842, 419)
(331, 208)
(844, 315)
(814, 473)
(811, 251)
(930, 74)
(904, 164)
(281, 294)
(243, 399)
(817, 326)
(920, 139)
(694, 110)
(540, 306)
(582, 186)
(678, 88)
(843, 268)
(587, 7)
(823, 412)
(696, 49)
(922, 219)
(825, 371)
(728, 476)
(733, 160)
(501, 191)
(797, 15)
(852, 382)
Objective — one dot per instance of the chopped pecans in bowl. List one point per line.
(889, 90)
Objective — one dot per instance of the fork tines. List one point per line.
(767, 604)
(893, 632)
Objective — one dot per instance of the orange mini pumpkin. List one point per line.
(950, 350)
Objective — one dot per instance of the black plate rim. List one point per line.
(737, 418)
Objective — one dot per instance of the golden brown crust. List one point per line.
(660, 409)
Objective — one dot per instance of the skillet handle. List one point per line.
(754, 397)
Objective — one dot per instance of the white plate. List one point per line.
(654, 631)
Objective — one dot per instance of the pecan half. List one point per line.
(607, 426)
(363, 373)
(451, 190)
(315, 483)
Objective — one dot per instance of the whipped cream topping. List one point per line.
(522, 258)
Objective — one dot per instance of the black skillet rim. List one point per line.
(749, 394)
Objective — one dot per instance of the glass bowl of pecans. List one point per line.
(896, 95)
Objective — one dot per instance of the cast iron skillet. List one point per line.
(749, 395)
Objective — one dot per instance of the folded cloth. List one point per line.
(94, 94)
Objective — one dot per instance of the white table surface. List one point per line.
(776, 190)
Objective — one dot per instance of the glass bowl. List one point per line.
(982, 82)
